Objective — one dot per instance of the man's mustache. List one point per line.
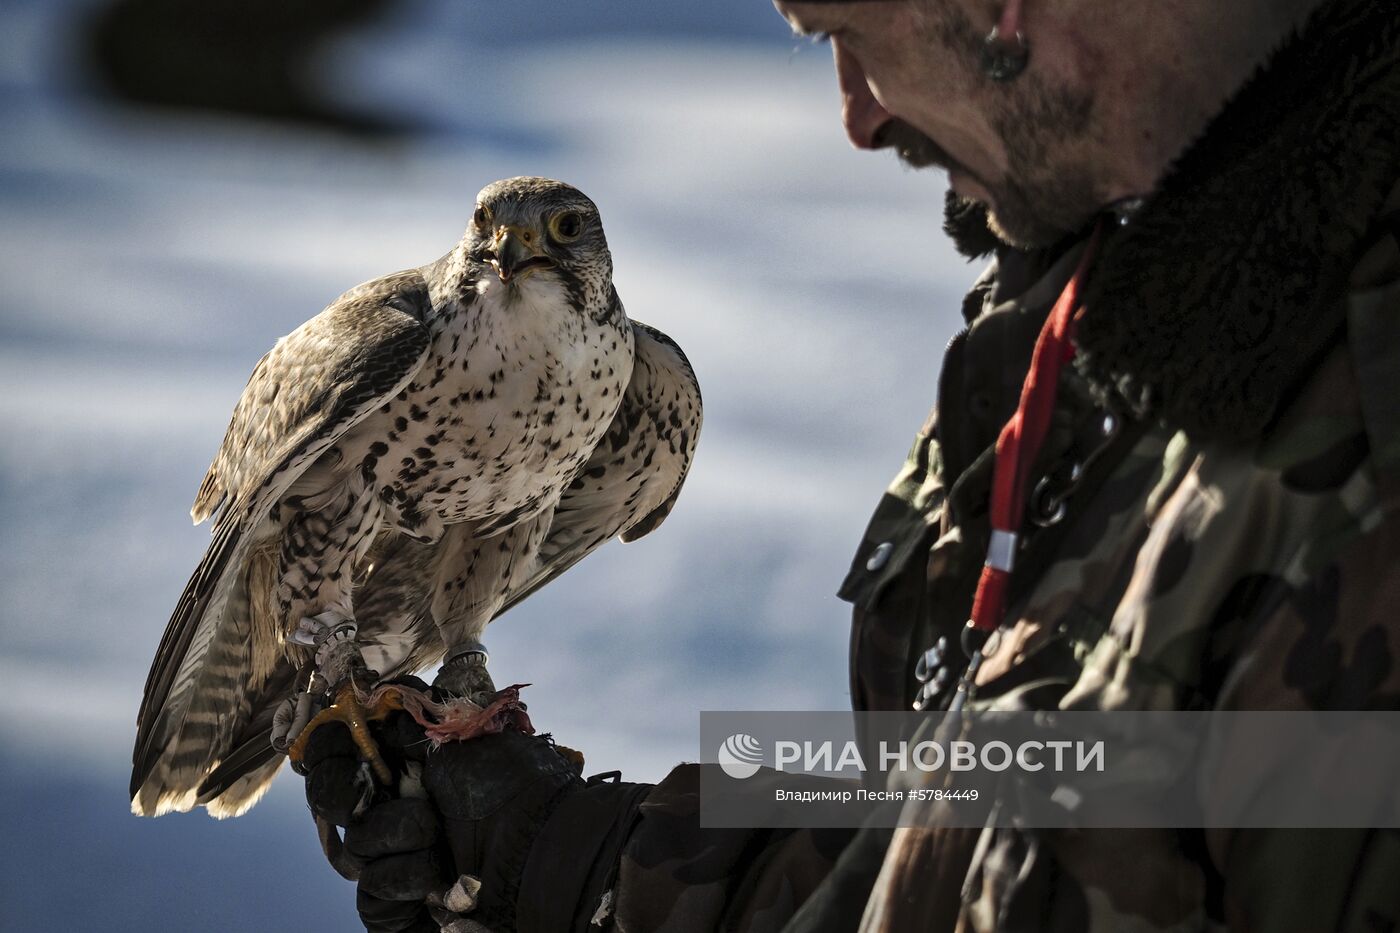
(913, 147)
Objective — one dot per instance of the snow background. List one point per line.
(149, 260)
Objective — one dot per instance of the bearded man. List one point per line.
(1204, 519)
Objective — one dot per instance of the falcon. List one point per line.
(426, 452)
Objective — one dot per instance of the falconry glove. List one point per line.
(497, 832)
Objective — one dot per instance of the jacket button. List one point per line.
(880, 556)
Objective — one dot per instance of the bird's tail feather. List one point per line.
(238, 798)
(228, 787)
(214, 734)
(199, 724)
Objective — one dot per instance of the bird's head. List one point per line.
(525, 226)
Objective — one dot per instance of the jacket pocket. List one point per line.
(901, 530)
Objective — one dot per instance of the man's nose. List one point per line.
(860, 111)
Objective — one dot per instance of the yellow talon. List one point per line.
(347, 709)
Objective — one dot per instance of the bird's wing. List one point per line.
(316, 383)
(630, 483)
(311, 388)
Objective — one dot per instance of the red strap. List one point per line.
(1023, 435)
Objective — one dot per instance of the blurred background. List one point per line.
(181, 183)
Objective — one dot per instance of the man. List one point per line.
(1208, 521)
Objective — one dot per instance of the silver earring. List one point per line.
(1005, 51)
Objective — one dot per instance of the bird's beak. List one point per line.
(516, 252)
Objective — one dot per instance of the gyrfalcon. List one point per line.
(426, 452)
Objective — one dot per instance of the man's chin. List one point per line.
(1019, 229)
(966, 186)
(978, 229)
(1010, 217)
(1017, 235)
(1026, 233)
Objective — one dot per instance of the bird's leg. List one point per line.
(473, 577)
(463, 674)
(341, 675)
(296, 711)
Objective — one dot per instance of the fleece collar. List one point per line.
(1211, 304)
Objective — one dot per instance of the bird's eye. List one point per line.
(566, 226)
(481, 217)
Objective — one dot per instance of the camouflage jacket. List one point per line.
(1214, 526)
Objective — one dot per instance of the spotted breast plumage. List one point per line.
(422, 455)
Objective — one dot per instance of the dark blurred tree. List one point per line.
(252, 58)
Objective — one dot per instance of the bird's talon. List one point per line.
(346, 709)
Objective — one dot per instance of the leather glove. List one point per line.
(467, 831)
(392, 845)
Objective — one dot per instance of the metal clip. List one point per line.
(966, 684)
(1048, 508)
(977, 645)
(930, 660)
